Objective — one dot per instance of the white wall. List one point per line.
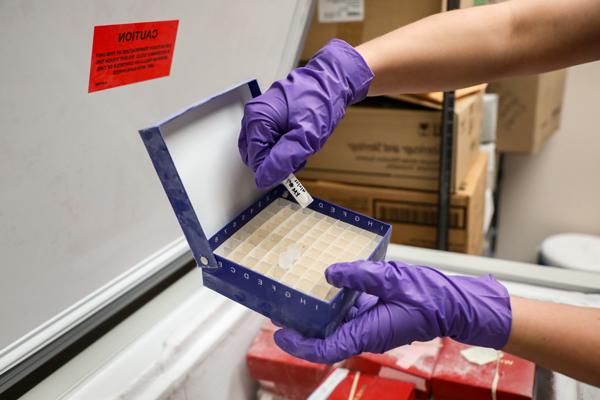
(557, 190)
(80, 202)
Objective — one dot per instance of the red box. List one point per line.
(267, 362)
(456, 378)
(370, 387)
(411, 363)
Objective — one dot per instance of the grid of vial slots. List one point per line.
(294, 246)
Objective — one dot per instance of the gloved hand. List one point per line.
(402, 303)
(293, 119)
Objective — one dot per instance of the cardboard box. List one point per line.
(412, 363)
(280, 372)
(237, 232)
(396, 146)
(455, 377)
(340, 383)
(413, 213)
(434, 100)
(530, 110)
(375, 19)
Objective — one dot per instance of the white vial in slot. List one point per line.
(289, 256)
(298, 192)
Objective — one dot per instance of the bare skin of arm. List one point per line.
(563, 338)
(482, 44)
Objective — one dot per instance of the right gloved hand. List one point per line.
(402, 303)
(292, 120)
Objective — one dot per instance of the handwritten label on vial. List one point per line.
(300, 194)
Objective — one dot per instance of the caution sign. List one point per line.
(129, 53)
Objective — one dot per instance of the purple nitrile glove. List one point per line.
(293, 119)
(402, 303)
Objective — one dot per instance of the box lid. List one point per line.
(196, 157)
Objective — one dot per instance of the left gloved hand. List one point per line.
(292, 120)
(402, 303)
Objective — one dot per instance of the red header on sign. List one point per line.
(129, 53)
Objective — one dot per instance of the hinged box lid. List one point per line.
(195, 154)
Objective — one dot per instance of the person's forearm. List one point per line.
(563, 338)
(481, 44)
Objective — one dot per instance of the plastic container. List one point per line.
(576, 251)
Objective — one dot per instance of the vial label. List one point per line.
(298, 191)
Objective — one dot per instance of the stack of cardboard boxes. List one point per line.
(382, 159)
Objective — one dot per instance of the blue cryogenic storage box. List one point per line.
(256, 247)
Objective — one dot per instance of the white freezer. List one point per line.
(168, 350)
